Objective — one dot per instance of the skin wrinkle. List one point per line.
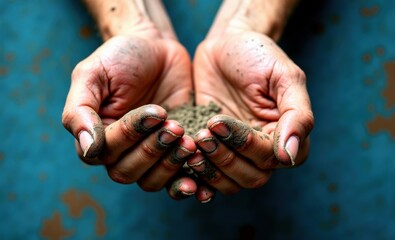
(233, 112)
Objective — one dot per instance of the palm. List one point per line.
(238, 72)
(135, 71)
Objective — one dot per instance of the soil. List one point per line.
(194, 117)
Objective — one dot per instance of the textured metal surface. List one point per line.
(345, 190)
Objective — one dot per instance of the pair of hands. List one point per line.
(114, 111)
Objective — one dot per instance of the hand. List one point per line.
(105, 113)
(258, 87)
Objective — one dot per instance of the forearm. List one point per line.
(268, 17)
(117, 17)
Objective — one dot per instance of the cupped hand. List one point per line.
(106, 108)
(266, 110)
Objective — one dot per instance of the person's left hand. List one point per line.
(258, 87)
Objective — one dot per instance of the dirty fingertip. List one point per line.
(286, 150)
(182, 188)
(205, 194)
(91, 142)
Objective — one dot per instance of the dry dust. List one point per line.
(194, 117)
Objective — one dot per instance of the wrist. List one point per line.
(268, 17)
(130, 17)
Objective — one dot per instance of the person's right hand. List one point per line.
(107, 114)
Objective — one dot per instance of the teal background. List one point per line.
(344, 191)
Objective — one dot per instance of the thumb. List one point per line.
(80, 115)
(294, 126)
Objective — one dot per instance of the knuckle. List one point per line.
(67, 118)
(227, 161)
(169, 166)
(248, 144)
(149, 151)
(297, 73)
(230, 190)
(256, 182)
(119, 176)
(128, 130)
(149, 187)
(309, 119)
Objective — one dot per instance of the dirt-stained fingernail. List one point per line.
(220, 129)
(292, 148)
(180, 154)
(85, 139)
(151, 121)
(208, 145)
(178, 190)
(166, 137)
(205, 194)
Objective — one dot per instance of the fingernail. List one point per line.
(187, 193)
(150, 122)
(167, 137)
(206, 201)
(85, 140)
(179, 155)
(208, 145)
(182, 152)
(292, 147)
(220, 129)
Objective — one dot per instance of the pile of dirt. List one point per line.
(193, 117)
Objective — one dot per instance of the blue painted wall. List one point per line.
(344, 191)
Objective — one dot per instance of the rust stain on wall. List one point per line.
(36, 66)
(382, 123)
(53, 228)
(78, 201)
(11, 196)
(389, 91)
(367, 58)
(3, 71)
(369, 11)
(380, 51)
(86, 32)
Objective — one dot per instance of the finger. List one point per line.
(79, 115)
(238, 136)
(296, 120)
(204, 193)
(181, 188)
(135, 162)
(301, 157)
(130, 130)
(211, 175)
(161, 173)
(229, 162)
